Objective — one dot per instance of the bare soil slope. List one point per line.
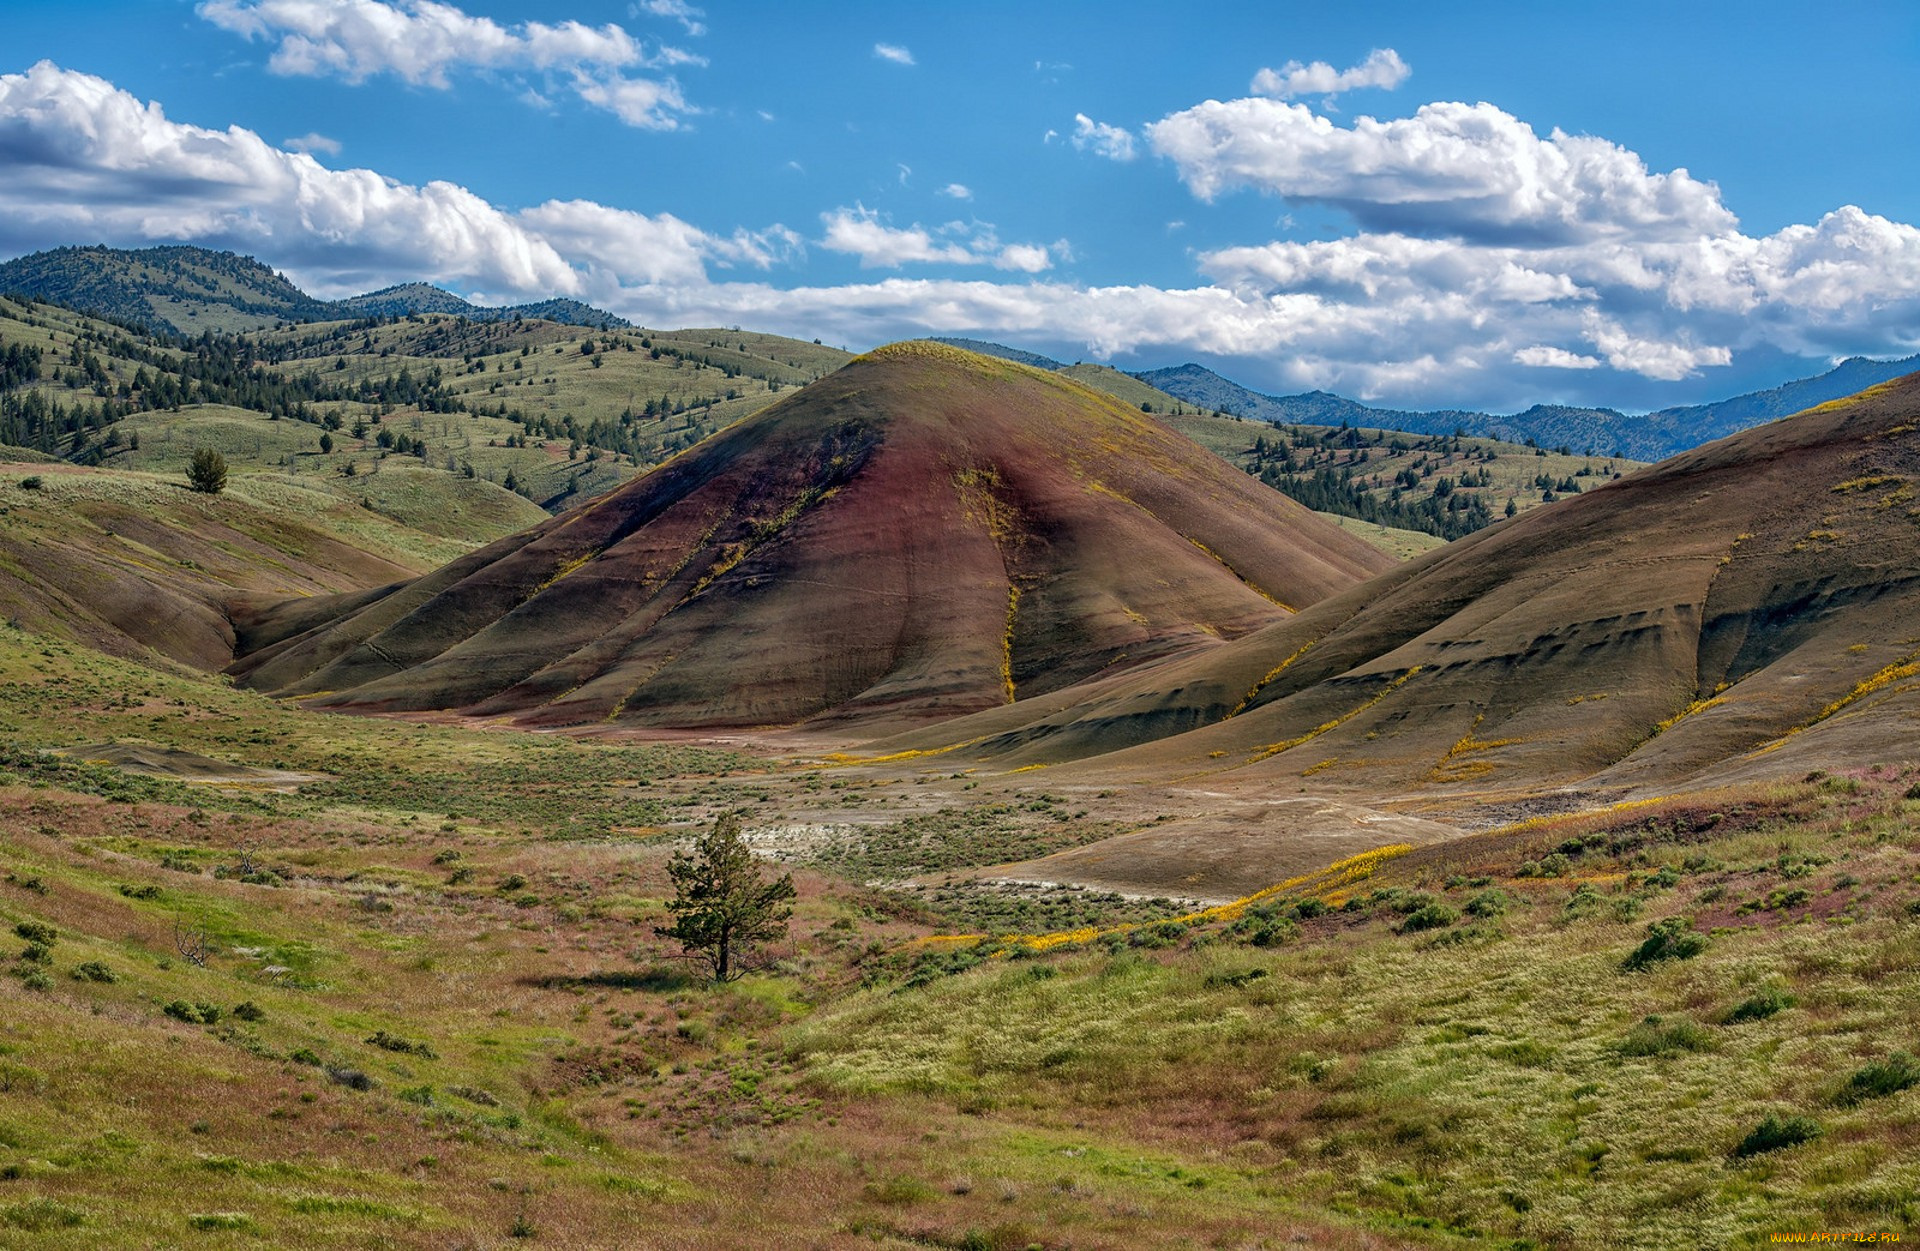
(133, 564)
(925, 533)
(1748, 608)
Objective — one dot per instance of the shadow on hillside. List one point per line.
(654, 979)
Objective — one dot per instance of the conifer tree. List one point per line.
(722, 907)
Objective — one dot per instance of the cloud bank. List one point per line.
(423, 42)
(1488, 264)
(1383, 68)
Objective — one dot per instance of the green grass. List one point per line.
(598, 408)
(376, 1051)
(1517, 1084)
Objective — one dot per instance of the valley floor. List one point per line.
(418, 1000)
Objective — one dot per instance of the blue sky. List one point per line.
(1418, 205)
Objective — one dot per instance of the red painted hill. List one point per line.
(924, 533)
(1747, 609)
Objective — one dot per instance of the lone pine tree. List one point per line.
(722, 907)
(207, 472)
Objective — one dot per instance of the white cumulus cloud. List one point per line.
(1544, 356)
(312, 141)
(423, 41)
(859, 232)
(1463, 170)
(86, 160)
(688, 16)
(893, 52)
(1383, 68)
(1113, 142)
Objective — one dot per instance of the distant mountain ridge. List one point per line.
(1602, 431)
(188, 289)
(1652, 436)
(420, 297)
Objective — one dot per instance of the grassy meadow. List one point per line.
(417, 1000)
(384, 983)
(548, 412)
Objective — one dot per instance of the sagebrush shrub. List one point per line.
(1890, 1076)
(1776, 1134)
(1669, 939)
(1760, 1005)
(1656, 1036)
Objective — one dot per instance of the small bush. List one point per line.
(1912, 792)
(405, 1046)
(512, 882)
(220, 1220)
(1760, 1005)
(36, 954)
(1004, 1237)
(352, 1079)
(473, 1094)
(1264, 931)
(1788, 897)
(1307, 909)
(1433, 916)
(39, 1215)
(1671, 939)
(422, 1095)
(1238, 977)
(900, 1188)
(1488, 903)
(148, 891)
(1655, 1036)
(1775, 1134)
(37, 933)
(32, 482)
(194, 1013)
(1898, 1072)
(36, 979)
(1165, 934)
(1585, 901)
(304, 1055)
(249, 1011)
(93, 971)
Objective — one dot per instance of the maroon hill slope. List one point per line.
(922, 534)
(1749, 608)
